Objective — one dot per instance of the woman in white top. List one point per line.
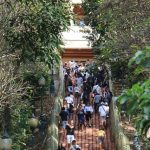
(88, 110)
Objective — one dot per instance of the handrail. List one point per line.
(52, 137)
(120, 139)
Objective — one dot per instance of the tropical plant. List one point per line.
(116, 29)
(138, 97)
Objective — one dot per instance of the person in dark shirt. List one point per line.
(81, 117)
(70, 133)
(97, 99)
(64, 117)
(88, 110)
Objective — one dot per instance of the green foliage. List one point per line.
(33, 30)
(141, 58)
(120, 29)
(33, 77)
(15, 119)
(140, 64)
(119, 69)
(92, 68)
(117, 26)
(20, 130)
(30, 32)
(138, 97)
(138, 100)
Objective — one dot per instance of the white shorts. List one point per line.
(70, 138)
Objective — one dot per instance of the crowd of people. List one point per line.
(86, 94)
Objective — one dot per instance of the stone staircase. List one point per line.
(88, 139)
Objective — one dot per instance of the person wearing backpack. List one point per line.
(103, 111)
(77, 91)
(88, 110)
(96, 89)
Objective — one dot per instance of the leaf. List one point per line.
(137, 90)
(133, 105)
(146, 63)
(147, 110)
(138, 70)
(145, 97)
(137, 58)
(122, 99)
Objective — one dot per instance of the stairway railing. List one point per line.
(52, 135)
(120, 139)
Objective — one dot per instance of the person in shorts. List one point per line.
(81, 118)
(70, 133)
(102, 113)
(64, 117)
(101, 136)
(88, 110)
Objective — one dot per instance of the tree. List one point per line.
(14, 111)
(30, 33)
(121, 38)
(32, 29)
(118, 26)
